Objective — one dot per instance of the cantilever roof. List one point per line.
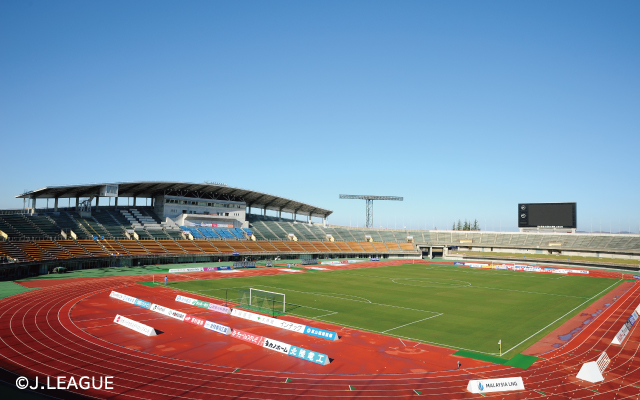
(200, 190)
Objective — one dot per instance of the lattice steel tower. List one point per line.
(369, 200)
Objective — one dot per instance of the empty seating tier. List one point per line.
(355, 246)
(171, 246)
(282, 247)
(253, 246)
(308, 247)
(93, 248)
(53, 248)
(296, 247)
(222, 246)
(332, 246)
(190, 247)
(366, 246)
(152, 247)
(267, 246)
(32, 250)
(114, 247)
(406, 246)
(320, 246)
(393, 246)
(237, 246)
(379, 247)
(209, 248)
(9, 250)
(73, 248)
(133, 247)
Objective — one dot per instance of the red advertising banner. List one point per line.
(194, 320)
(248, 337)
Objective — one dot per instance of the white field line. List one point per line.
(424, 319)
(463, 270)
(469, 286)
(580, 305)
(525, 291)
(358, 301)
(290, 313)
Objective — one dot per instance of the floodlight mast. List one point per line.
(369, 204)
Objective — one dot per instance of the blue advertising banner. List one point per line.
(309, 355)
(142, 303)
(458, 263)
(225, 330)
(321, 333)
(636, 277)
(374, 259)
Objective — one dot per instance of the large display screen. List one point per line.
(547, 215)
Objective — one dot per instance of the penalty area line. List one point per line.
(569, 312)
(414, 322)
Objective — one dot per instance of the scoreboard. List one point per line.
(547, 215)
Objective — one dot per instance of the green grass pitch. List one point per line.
(461, 308)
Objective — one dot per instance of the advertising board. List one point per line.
(220, 309)
(176, 270)
(276, 346)
(225, 330)
(186, 300)
(309, 355)
(247, 337)
(134, 325)
(142, 303)
(495, 385)
(278, 323)
(123, 297)
(194, 320)
(321, 333)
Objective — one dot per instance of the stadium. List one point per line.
(169, 290)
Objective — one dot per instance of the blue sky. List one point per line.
(464, 108)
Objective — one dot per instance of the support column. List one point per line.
(77, 202)
(55, 205)
(280, 213)
(134, 201)
(97, 201)
(309, 219)
(33, 204)
(295, 215)
(324, 221)
(116, 202)
(249, 212)
(264, 211)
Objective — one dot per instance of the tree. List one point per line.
(459, 226)
(476, 227)
(466, 226)
(454, 226)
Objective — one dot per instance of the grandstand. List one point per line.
(203, 222)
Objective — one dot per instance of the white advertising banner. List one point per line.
(278, 323)
(495, 385)
(276, 345)
(186, 300)
(123, 297)
(174, 270)
(168, 312)
(134, 325)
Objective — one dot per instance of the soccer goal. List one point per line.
(262, 300)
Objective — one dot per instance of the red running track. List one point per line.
(43, 334)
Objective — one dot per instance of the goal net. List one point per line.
(262, 300)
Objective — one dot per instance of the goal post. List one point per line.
(262, 300)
